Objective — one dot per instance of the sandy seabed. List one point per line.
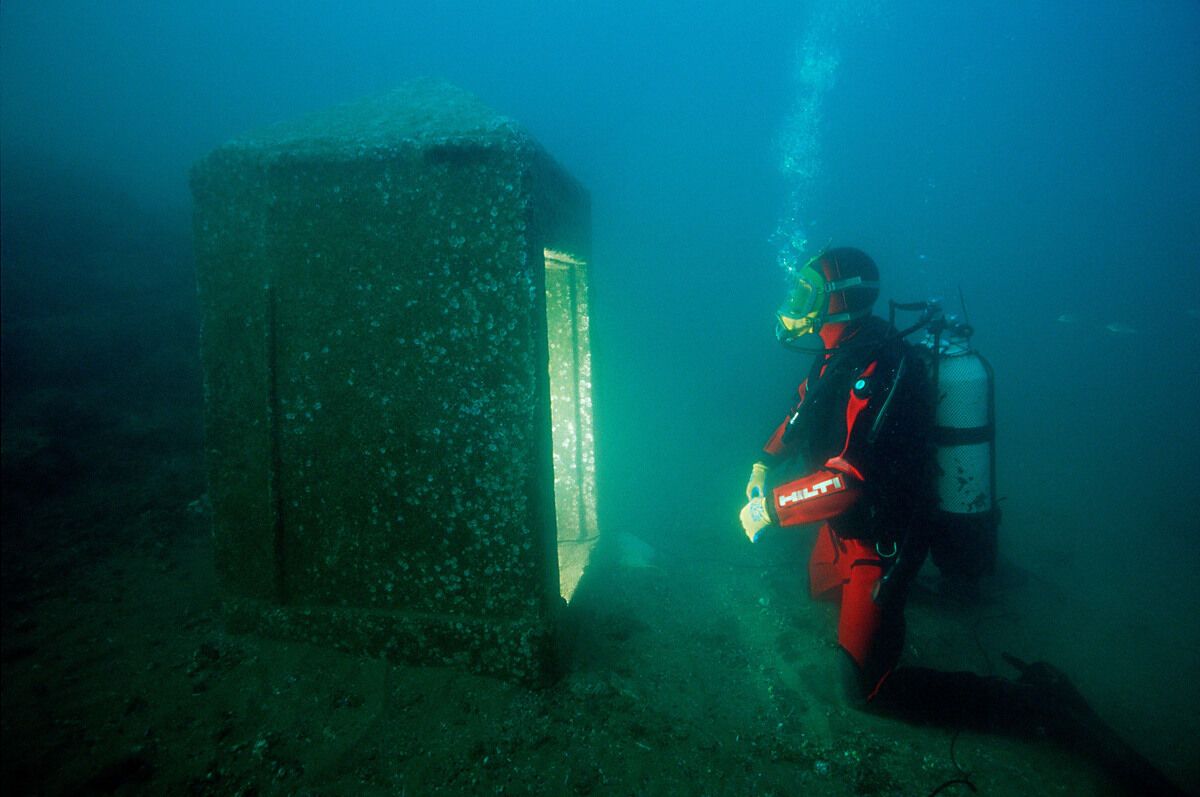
(688, 678)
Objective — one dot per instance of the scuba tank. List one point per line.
(967, 519)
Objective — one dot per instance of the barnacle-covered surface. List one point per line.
(426, 112)
(377, 397)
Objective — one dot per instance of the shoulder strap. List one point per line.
(887, 402)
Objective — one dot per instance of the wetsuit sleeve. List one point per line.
(836, 487)
(818, 496)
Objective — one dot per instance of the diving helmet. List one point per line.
(838, 285)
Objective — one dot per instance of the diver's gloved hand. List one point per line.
(754, 517)
(758, 481)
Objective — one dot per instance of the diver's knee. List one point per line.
(851, 682)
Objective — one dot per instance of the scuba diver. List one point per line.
(858, 453)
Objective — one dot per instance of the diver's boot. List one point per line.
(1042, 703)
(1079, 727)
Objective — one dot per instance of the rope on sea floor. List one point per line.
(965, 780)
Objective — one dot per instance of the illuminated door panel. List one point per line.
(571, 415)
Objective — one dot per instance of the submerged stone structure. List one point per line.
(397, 381)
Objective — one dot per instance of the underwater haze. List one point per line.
(1034, 165)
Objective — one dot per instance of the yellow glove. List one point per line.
(758, 480)
(754, 518)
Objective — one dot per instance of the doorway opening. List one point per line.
(571, 415)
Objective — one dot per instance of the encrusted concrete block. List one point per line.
(383, 445)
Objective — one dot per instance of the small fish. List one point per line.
(1117, 328)
(1067, 318)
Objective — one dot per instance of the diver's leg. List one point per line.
(1032, 707)
(828, 567)
(872, 636)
